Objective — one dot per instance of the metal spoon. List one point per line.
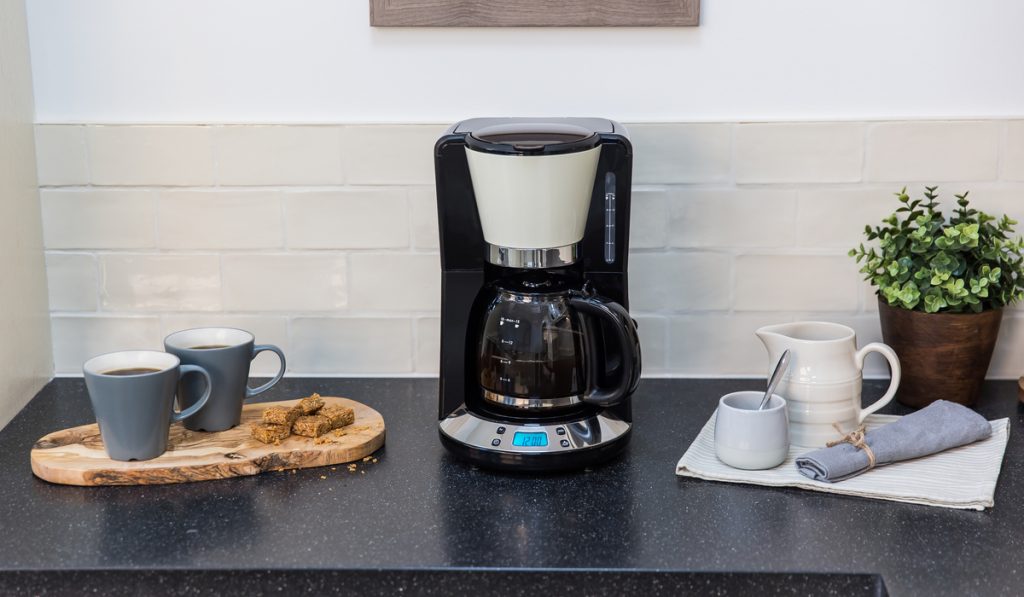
(780, 370)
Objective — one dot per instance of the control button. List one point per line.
(560, 431)
(501, 431)
(495, 442)
(565, 443)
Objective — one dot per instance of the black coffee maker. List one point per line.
(539, 356)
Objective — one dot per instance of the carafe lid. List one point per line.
(526, 138)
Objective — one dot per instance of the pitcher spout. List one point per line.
(808, 338)
(773, 337)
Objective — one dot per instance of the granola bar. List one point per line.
(311, 404)
(269, 433)
(280, 415)
(311, 426)
(338, 415)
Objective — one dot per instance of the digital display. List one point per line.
(522, 438)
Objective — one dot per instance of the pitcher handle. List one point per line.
(894, 382)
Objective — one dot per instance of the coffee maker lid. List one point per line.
(526, 138)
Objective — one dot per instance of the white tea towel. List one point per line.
(963, 477)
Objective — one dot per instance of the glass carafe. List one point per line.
(543, 349)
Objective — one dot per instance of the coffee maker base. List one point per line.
(535, 446)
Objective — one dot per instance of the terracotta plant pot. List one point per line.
(944, 356)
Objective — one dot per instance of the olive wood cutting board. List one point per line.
(76, 456)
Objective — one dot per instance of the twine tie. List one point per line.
(856, 439)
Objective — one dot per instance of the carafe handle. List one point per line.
(894, 381)
(628, 345)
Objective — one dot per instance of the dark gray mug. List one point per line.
(226, 353)
(132, 394)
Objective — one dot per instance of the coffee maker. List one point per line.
(539, 356)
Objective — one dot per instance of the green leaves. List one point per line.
(971, 262)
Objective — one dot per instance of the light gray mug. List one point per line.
(226, 353)
(748, 438)
(132, 395)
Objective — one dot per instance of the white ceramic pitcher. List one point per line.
(823, 384)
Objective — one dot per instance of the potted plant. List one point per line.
(941, 286)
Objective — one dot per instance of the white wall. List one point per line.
(25, 361)
(139, 61)
(300, 232)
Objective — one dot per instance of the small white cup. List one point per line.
(748, 438)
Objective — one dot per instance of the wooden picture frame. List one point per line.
(534, 13)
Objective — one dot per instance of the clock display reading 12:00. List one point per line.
(523, 438)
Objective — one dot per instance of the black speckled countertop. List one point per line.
(420, 522)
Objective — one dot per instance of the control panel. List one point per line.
(473, 430)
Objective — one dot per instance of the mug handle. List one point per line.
(894, 382)
(188, 412)
(250, 392)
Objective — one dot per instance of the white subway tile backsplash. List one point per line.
(71, 278)
(1007, 198)
(423, 214)
(294, 282)
(836, 218)
(428, 344)
(1008, 359)
(159, 282)
(796, 282)
(98, 218)
(720, 344)
(214, 219)
(151, 155)
(732, 218)
(799, 152)
(347, 219)
(389, 154)
(337, 262)
(653, 331)
(648, 219)
(680, 153)
(77, 339)
(278, 155)
(268, 329)
(352, 345)
(61, 155)
(870, 296)
(1013, 154)
(395, 282)
(932, 151)
(680, 281)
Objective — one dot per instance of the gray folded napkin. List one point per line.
(937, 427)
